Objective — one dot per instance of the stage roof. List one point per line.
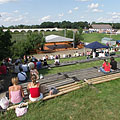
(56, 38)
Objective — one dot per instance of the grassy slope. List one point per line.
(73, 67)
(100, 102)
(97, 37)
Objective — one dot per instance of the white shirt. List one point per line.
(31, 65)
(22, 77)
(57, 61)
(25, 67)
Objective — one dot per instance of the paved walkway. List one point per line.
(67, 52)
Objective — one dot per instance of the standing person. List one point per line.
(113, 63)
(16, 93)
(34, 89)
(105, 67)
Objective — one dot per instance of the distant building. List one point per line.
(101, 28)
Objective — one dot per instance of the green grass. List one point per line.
(73, 67)
(100, 102)
(98, 36)
(68, 59)
(19, 37)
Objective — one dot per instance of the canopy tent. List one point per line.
(96, 45)
(118, 41)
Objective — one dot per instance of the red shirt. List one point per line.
(34, 92)
(3, 69)
(106, 67)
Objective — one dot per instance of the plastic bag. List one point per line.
(4, 103)
(20, 111)
(41, 76)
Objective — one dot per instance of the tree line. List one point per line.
(63, 24)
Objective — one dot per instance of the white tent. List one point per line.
(56, 38)
(109, 41)
(118, 32)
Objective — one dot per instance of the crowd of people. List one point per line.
(23, 69)
(28, 68)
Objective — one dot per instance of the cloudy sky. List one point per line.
(28, 12)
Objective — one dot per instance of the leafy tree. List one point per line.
(33, 41)
(69, 34)
(78, 37)
(5, 44)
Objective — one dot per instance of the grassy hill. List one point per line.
(87, 37)
(100, 102)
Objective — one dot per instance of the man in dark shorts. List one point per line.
(113, 63)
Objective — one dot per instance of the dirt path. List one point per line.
(67, 52)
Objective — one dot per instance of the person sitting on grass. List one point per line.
(22, 76)
(105, 67)
(45, 62)
(34, 71)
(3, 69)
(16, 94)
(113, 63)
(33, 89)
(39, 64)
(57, 61)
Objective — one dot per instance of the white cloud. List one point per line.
(26, 13)
(93, 5)
(8, 19)
(97, 10)
(76, 8)
(45, 18)
(115, 13)
(70, 11)
(4, 13)
(19, 18)
(61, 15)
(16, 11)
(116, 17)
(82, 17)
(107, 19)
(6, 1)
